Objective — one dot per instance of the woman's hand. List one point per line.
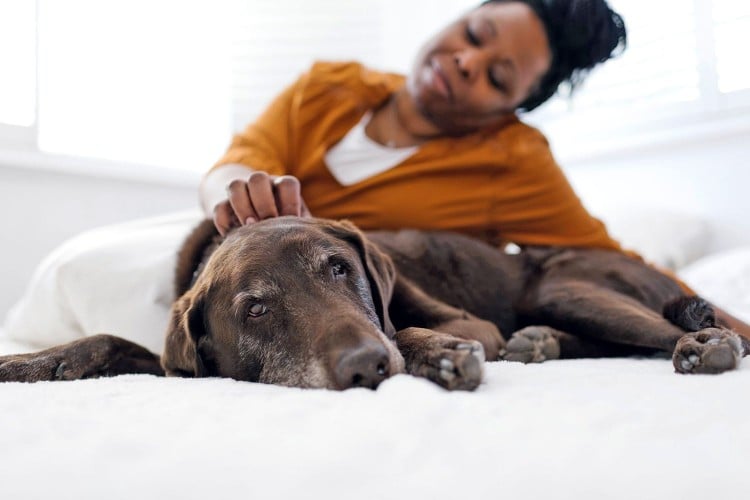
(256, 197)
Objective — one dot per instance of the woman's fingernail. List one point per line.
(250, 220)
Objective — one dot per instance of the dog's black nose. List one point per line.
(363, 366)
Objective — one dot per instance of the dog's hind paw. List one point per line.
(532, 344)
(692, 313)
(711, 350)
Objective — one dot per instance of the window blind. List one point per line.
(275, 41)
(731, 27)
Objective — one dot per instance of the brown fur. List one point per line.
(316, 303)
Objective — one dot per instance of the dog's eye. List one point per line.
(257, 310)
(339, 270)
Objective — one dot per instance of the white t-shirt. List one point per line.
(356, 157)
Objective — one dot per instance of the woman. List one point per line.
(439, 149)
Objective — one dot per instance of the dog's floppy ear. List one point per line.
(193, 254)
(381, 273)
(185, 333)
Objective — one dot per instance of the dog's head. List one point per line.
(289, 301)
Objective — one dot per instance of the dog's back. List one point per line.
(494, 285)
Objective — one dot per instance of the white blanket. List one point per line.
(585, 429)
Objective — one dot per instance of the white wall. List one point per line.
(41, 209)
(708, 178)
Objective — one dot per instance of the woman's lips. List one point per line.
(439, 81)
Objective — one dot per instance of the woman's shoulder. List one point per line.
(517, 130)
(521, 139)
(353, 75)
(350, 80)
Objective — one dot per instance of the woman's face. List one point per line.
(480, 68)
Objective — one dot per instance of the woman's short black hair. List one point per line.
(581, 33)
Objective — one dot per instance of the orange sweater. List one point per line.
(501, 185)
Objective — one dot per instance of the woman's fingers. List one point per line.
(239, 200)
(224, 217)
(260, 189)
(288, 195)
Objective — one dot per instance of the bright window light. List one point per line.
(18, 62)
(143, 81)
(731, 27)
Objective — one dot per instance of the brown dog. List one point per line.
(315, 303)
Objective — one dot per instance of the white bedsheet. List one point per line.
(583, 429)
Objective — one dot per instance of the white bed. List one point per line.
(614, 429)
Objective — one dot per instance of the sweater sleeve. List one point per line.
(266, 144)
(541, 207)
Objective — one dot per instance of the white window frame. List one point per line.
(714, 116)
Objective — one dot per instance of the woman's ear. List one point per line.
(185, 331)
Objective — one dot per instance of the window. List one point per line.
(18, 60)
(141, 81)
(138, 82)
(684, 67)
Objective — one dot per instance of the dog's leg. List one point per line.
(587, 310)
(90, 357)
(538, 343)
(412, 307)
(451, 362)
(533, 344)
(711, 348)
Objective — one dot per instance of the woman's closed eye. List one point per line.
(496, 81)
(471, 37)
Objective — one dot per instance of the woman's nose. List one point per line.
(468, 62)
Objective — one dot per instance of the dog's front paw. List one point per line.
(89, 357)
(532, 344)
(460, 365)
(711, 350)
(30, 368)
(450, 362)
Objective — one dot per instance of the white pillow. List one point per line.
(668, 239)
(723, 278)
(117, 279)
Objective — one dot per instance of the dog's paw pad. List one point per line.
(532, 344)
(475, 348)
(711, 350)
(460, 366)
